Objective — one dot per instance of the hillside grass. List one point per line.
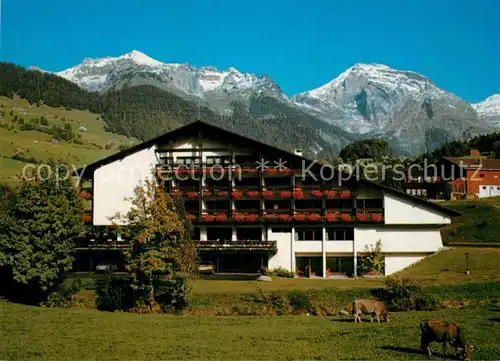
(446, 267)
(31, 333)
(479, 222)
(37, 145)
(441, 276)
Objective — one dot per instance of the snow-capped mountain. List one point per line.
(401, 106)
(366, 100)
(489, 106)
(371, 94)
(136, 68)
(489, 109)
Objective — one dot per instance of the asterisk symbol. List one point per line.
(262, 164)
(280, 165)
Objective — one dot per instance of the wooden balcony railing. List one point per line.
(245, 246)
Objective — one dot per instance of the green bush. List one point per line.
(65, 295)
(282, 272)
(172, 294)
(299, 302)
(374, 260)
(112, 292)
(404, 294)
(44, 121)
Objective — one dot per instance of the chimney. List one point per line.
(298, 152)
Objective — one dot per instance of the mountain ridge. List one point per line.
(367, 100)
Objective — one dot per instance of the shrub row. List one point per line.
(120, 294)
(398, 295)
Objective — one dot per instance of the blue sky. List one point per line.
(300, 44)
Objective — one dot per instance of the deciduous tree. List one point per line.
(39, 225)
(160, 238)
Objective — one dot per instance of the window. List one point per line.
(484, 187)
(188, 160)
(340, 234)
(223, 160)
(280, 230)
(482, 175)
(309, 234)
(369, 203)
(339, 203)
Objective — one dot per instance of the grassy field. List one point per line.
(31, 333)
(446, 267)
(479, 222)
(442, 276)
(37, 145)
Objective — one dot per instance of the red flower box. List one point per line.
(362, 217)
(207, 194)
(238, 217)
(298, 195)
(236, 194)
(376, 217)
(345, 194)
(285, 171)
(250, 170)
(314, 217)
(222, 194)
(346, 217)
(183, 171)
(331, 217)
(317, 193)
(284, 217)
(86, 218)
(190, 217)
(207, 218)
(267, 194)
(84, 195)
(330, 194)
(271, 216)
(271, 171)
(285, 194)
(221, 217)
(236, 171)
(252, 217)
(212, 170)
(299, 217)
(253, 194)
(192, 194)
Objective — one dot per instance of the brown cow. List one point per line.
(373, 307)
(444, 332)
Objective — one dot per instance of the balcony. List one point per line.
(101, 244)
(238, 246)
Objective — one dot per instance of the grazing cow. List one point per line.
(373, 307)
(444, 332)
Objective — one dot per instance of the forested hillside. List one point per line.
(488, 145)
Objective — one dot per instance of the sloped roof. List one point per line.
(486, 164)
(205, 127)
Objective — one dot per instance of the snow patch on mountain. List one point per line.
(136, 68)
(365, 97)
(489, 107)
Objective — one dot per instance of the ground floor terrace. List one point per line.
(307, 250)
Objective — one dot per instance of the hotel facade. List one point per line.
(253, 205)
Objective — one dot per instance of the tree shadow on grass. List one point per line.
(495, 319)
(343, 320)
(416, 351)
(403, 349)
